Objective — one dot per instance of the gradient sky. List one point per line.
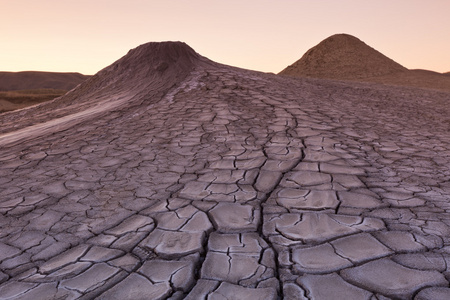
(87, 35)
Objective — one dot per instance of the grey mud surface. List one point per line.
(233, 185)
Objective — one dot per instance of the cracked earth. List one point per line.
(223, 183)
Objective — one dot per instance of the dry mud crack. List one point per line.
(203, 181)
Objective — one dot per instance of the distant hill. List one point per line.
(30, 80)
(345, 57)
(22, 89)
(342, 56)
(12, 100)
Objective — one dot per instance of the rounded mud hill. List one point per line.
(343, 57)
(158, 56)
(150, 62)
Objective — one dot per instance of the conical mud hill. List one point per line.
(144, 74)
(149, 67)
(343, 57)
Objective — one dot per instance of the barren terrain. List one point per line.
(29, 80)
(23, 89)
(169, 176)
(12, 100)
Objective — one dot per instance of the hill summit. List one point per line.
(345, 57)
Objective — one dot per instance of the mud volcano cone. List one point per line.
(343, 57)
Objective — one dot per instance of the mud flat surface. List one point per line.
(168, 176)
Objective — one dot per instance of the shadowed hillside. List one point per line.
(345, 57)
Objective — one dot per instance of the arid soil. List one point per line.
(29, 80)
(23, 89)
(169, 176)
(345, 57)
(12, 100)
(416, 78)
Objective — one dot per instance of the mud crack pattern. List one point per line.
(235, 185)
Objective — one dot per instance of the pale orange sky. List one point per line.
(87, 35)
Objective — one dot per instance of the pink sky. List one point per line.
(87, 35)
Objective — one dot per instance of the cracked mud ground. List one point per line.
(168, 176)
